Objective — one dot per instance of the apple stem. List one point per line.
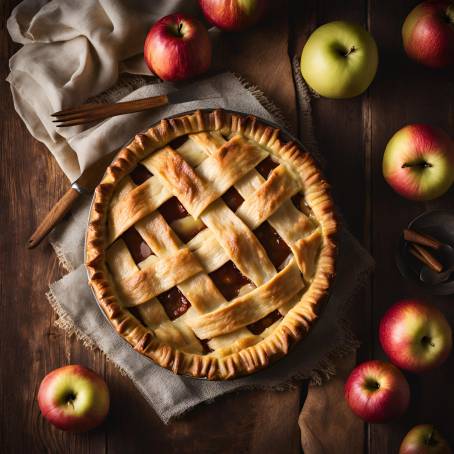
(423, 165)
(449, 15)
(430, 440)
(70, 399)
(350, 51)
(180, 26)
(372, 384)
(427, 341)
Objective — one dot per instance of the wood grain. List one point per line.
(260, 55)
(341, 133)
(30, 345)
(404, 92)
(343, 434)
(352, 135)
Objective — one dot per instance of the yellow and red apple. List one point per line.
(339, 60)
(73, 398)
(377, 391)
(424, 439)
(418, 162)
(177, 47)
(415, 335)
(234, 15)
(428, 33)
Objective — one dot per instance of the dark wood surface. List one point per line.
(352, 135)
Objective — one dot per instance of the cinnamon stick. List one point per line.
(424, 240)
(426, 257)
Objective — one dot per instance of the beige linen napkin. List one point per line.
(60, 65)
(74, 50)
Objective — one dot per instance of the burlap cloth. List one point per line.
(76, 50)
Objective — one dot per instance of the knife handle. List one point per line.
(54, 216)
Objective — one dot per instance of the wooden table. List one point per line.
(352, 135)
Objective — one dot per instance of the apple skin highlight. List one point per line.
(424, 439)
(415, 336)
(89, 406)
(178, 47)
(428, 33)
(339, 60)
(234, 15)
(377, 391)
(418, 162)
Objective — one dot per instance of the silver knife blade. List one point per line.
(92, 175)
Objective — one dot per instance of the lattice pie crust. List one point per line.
(211, 244)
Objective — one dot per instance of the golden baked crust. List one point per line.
(233, 144)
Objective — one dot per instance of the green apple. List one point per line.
(339, 60)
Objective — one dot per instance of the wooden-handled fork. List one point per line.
(88, 113)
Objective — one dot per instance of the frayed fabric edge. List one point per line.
(66, 323)
(263, 100)
(63, 260)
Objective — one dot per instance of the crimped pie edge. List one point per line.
(296, 322)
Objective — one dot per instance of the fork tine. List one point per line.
(102, 111)
(89, 113)
(99, 109)
(78, 121)
(69, 117)
(83, 119)
(82, 108)
(76, 115)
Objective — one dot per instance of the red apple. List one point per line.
(424, 439)
(415, 335)
(233, 15)
(73, 398)
(428, 33)
(377, 391)
(418, 162)
(177, 47)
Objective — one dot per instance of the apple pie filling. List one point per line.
(228, 278)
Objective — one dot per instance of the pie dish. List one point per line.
(211, 244)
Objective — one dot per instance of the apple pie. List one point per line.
(211, 244)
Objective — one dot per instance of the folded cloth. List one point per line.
(73, 51)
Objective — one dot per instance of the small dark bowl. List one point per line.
(440, 225)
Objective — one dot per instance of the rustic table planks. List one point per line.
(404, 92)
(352, 135)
